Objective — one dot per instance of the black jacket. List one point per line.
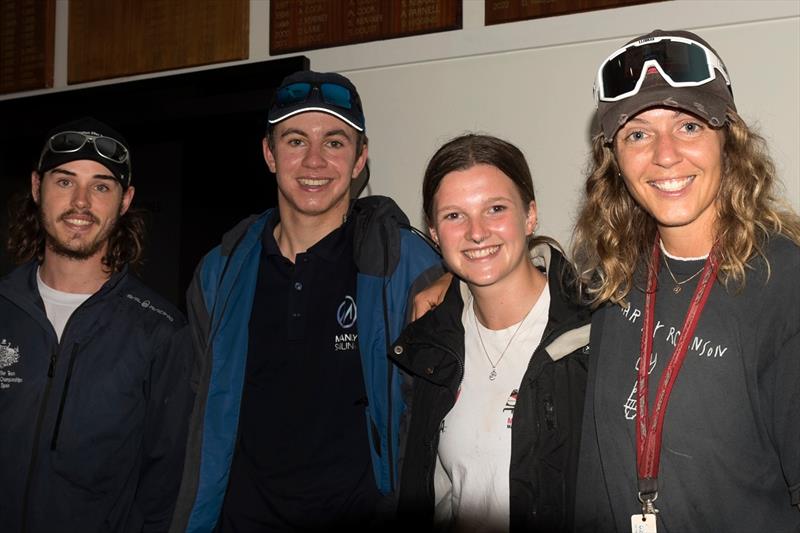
(94, 427)
(547, 416)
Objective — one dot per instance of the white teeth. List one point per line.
(78, 221)
(672, 185)
(309, 182)
(482, 252)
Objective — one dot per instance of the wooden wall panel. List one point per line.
(27, 36)
(297, 25)
(500, 11)
(109, 39)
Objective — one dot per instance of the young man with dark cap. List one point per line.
(297, 420)
(94, 376)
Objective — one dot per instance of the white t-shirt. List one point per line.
(58, 305)
(471, 480)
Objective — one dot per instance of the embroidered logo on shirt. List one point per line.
(345, 342)
(9, 355)
(347, 314)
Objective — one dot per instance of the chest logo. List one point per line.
(9, 355)
(347, 314)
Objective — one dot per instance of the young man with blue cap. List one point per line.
(297, 420)
(94, 379)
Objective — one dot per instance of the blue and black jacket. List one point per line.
(92, 428)
(392, 262)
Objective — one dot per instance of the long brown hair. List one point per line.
(27, 239)
(613, 234)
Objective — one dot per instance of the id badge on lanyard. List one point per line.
(649, 427)
(643, 523)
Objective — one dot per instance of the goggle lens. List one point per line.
(72, 141)
(330, 93)
(336, 95)
(681, 62)
(293, 94)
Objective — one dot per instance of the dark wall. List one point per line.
(195, 144)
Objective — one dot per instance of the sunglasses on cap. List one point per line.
(681, 62)
(329, 93)
(71, 141)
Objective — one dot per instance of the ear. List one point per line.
(433, 234)
(269, 157)
(532, 219)
(361, 160)
(36, 184)
(127, 198)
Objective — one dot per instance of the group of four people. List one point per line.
(520, 401)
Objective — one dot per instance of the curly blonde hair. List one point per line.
(614, 235)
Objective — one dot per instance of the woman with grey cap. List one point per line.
(692, 419)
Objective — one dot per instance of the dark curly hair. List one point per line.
(26, 237)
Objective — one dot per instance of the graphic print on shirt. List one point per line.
(346, 316)
(511, 403)
(9, 355)
(630, 404)
(670, 335)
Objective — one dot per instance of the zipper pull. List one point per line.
(51, 371)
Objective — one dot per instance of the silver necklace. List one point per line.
(493, 373)
(677, 288)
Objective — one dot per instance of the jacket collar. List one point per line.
(441, 328)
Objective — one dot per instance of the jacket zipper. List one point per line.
(51, 371)
(64, 391)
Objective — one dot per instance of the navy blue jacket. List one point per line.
(94, 427)
(389, 257)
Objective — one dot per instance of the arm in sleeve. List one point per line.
(592, 505)
(164, 441)
(198, 333)
(782, 377)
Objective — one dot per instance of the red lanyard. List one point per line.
(649, 428)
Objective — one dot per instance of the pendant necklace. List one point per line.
(493, 373)
(677, 288)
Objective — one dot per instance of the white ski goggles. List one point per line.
(681, 62)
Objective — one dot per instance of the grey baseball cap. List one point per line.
(709, 101)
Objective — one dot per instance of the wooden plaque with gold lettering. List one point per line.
(500, 11)
(27, 37)
(297, 25)
(108, 39)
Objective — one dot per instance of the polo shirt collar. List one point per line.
(330, 248)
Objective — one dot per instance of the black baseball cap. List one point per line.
(87, 138)
(326, 92)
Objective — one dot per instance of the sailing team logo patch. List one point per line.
(346, 316)
(9, 355)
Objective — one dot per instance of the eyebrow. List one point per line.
(487, 201)
(676, 113)
(329, 133)
(70, 173)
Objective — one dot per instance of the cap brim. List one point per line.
(292, 112)
(700, 101)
